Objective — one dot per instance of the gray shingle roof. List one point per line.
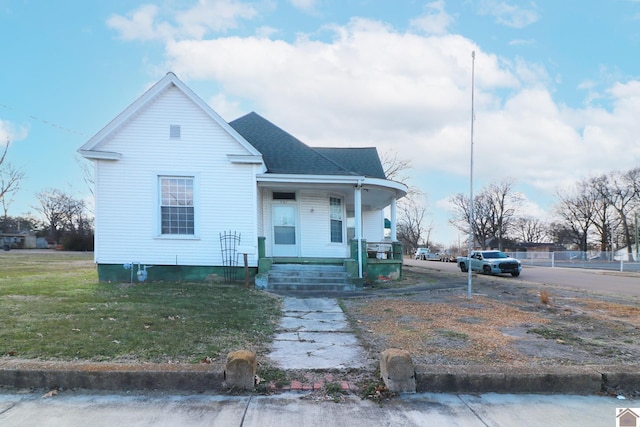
(285, 154)
(363, 161)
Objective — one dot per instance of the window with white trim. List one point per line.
(336, 215)
(176, 205)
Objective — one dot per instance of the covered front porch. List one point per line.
(319, 219)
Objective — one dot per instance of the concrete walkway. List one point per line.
(315, 334)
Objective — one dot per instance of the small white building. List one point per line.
(171, 177)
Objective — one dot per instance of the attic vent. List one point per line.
(174, 131)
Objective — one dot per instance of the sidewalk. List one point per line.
(73, 409)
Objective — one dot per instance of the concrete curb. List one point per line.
(535, 379)
(581, 380)
(106, 376)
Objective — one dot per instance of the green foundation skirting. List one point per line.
(374, 270)
(171, 273)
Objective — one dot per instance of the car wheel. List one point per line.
(515, 273)
(463, 267)
(486, 269)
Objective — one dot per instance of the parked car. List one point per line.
(425, 253)
(490, 262)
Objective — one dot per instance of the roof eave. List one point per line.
(397, 188)
(100, 155)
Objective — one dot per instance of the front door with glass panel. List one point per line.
(284, 231)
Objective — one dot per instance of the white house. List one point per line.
(172, 177)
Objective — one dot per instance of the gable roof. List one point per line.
(285, 154)
(91, 149)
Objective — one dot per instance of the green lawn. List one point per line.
(53, 308)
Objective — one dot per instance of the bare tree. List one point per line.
(618, 190)
(494, 213)
(87, 173)
(503, 203)
(412, 209)
(10, 178)
(577, 210)
(411, 224)
(604, 219)
(63, 214)
(560, 233)
(528, 229)
(482, 226)
(395, 168)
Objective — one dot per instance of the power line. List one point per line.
(45, 122)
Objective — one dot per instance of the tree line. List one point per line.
(599, 212)
(65, 219)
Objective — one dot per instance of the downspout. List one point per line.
(358, 215)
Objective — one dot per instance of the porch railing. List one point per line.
(380, 250)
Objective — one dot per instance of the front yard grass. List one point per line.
(52, 307)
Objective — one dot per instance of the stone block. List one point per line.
(396, 369)
(240, 370)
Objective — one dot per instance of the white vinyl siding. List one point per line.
(225, 192)
(373, 226)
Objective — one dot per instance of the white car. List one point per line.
(421, 253)
(425, 253)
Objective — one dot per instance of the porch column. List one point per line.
(394, 234)
(358, 214)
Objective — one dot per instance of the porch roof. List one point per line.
(378, 193)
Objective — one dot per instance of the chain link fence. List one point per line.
(616, 261)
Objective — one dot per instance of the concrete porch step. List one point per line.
(308, 277)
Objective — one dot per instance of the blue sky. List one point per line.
(557, 83)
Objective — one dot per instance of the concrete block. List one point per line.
(396, 369)
(240, 370)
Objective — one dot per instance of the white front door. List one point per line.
(284, 231)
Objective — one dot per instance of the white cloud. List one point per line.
(10, 133)
(515, 16)
(435, 20)
(147, 23)
(308, 6)
(371, 85)
(140, 24)
(217, 16)
(227, 109)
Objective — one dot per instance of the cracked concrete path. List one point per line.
(314, 334)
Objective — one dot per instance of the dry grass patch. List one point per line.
(611, 310)
(463, 330)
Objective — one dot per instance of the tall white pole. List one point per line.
(469, 277)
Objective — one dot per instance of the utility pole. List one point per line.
(469, 276)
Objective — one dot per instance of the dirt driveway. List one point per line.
(506, 322)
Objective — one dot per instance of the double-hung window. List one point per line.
(176, 205)
(336, 214)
